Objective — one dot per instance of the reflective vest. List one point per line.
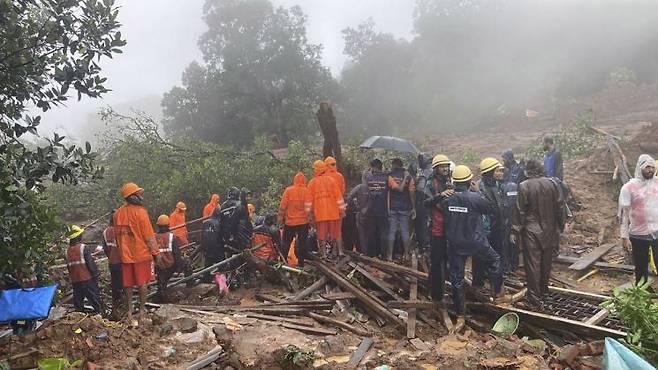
(113, 254)
(75, 261)
(399, 201)
(166, 244)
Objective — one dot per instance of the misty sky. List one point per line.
(162, 40)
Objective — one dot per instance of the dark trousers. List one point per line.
(641, 256)
(377, 235)
(421, 227)
(211, 257)
(362, 227)
(537, 264)
(457, 265)
(301, 233)
(511, 250)
(116, 283)
(480, 267)
(87, 289)
(438, 267)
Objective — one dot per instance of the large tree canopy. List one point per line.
(260, 76)
(47, 47)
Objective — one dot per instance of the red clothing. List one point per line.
(210, 207)
(326, 200)
(176, 218)
(137, 274)
(166, 243)
(329, 230)
(111, 248)
(75, 262)
(132, 229)
(296, 202)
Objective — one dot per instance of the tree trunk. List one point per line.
(327, 122)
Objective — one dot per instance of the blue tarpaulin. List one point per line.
(26, 304)
(617, 357)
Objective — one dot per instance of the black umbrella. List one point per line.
(389, 143)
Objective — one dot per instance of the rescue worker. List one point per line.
(212, 241)
(401, 207)
(245, 225)
(377, 181)
(236, 225)
(294, 210)
(114, 262)
(83, 272)
(251, 209)
(267, 235)
(492, 172)
(327, 208)
(332, 172)
(439, 187)
(210, 207)
(536, 227)
(177, 220)
(638, 204)
(422, 213)
(465, 233)
(510, 247)
(358, 197)
(171, 258)
(513, 170)
(553, 164)
(137, 244)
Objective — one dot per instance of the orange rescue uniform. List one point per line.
(132, 229)
(176, 218)
(210, 207)
(296, 202)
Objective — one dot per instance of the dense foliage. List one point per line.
(573, 140)
(638, 309)
(48, 47)
(260, 76)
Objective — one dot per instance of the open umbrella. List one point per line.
(389, 143)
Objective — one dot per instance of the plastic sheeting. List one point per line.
(26, 304)
(617, 357)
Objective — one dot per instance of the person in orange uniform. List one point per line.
(177, 218)
(171, 259)
(332, 172)
(114, 259)
(137, 246)
(83, 272)
(294, 211)
(327, 206)
(210, 207)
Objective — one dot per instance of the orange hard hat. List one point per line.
(181, 206)
(163, 220)
(129, 189)
(329, 161)
(319, 166)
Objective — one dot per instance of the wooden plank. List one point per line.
(390, 266)
(423, 305)
(588, 260)
(318, 284)
(205, 360)
(309, 330)
(598, 317)
(339, 324)
(604, 265)
(371, 303)
(360, 353)
(546, 320)
(578, 293)
(279, 319)
(413, 295)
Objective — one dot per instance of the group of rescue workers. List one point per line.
(513, 207)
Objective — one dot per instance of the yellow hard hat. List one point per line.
(163, 220)
(181, 206)
(489, 164)
(129, 189)
(74, 231)
(440, 159)
(461, 173)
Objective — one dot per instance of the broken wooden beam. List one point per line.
(370, 302)
(360, 353)
(339, 324)
(413, 295)
(598, 317)
(290, 320)
(590, 259)
(603, 265)
(423, 305)
(322, 281)
(619, 160)
(205, 360)
(309, 329)
(390, 266)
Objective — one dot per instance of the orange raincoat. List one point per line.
(295, 203)
(132, 230)
(338, 178)
(326, 200)
(210, 207)
(177, 217)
